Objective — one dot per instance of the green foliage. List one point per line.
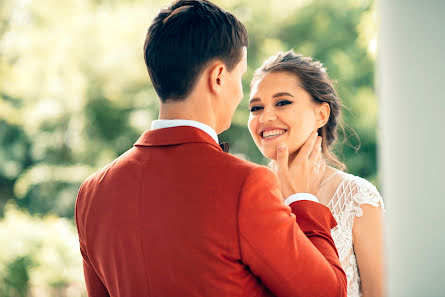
(16, 278)
(74, 92)
(74, 95)
(338, 33)
(39, 256)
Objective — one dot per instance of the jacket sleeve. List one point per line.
(94, 285)
(289, 248)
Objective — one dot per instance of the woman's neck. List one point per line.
(328, 185)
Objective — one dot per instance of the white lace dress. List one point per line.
(352, 192)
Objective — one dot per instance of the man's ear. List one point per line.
(323, 113)
(217, 72)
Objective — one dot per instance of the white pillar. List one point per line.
(411, 90)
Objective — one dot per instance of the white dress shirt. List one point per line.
(159, 124)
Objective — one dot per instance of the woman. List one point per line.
(291, 97)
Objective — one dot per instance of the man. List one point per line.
(176, 215)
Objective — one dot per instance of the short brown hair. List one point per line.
(316, 82)
(184, 38)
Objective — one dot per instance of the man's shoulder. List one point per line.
(123, 160)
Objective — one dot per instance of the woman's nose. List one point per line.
(268, 116)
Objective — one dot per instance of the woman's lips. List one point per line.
(272, 134)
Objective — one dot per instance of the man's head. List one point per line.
(184, 39)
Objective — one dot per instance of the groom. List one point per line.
(176, 215)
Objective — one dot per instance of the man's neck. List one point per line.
(191, 108)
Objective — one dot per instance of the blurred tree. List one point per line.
(74, 92)
(74, 95)
(338, 33)
(39, 256)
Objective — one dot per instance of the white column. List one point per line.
(411, 90)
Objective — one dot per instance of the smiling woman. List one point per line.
(279, 97)
(298, 93)
(292, 97)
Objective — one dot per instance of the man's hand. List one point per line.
(305, 172)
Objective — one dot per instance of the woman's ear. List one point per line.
(216, 77)
(323, 113)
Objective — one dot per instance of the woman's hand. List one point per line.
(305, 172)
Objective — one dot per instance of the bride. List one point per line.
(291, 97)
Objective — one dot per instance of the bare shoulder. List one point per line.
(363, 192)
(342, 192)
(369, 213)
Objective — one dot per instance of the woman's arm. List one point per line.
(368, 247)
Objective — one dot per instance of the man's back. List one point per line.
(176, 216)
(162, 220)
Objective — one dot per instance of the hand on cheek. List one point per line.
(305, 172)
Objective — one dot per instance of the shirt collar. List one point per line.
(159, 124)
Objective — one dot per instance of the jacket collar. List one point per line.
(174, 136)
(169, 123)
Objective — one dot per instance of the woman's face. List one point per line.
(281, 111)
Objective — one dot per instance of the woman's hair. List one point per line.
(316, 82)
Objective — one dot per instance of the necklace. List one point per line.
(328, 178)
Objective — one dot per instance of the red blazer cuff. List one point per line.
(312, 215)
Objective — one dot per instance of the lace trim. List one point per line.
(345, 204)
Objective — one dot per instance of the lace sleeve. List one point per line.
(365, 193)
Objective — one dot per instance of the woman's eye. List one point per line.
(255, 108)
(283, 102)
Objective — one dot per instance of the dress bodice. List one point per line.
(352, 192)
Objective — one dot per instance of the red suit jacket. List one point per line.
(176, 216)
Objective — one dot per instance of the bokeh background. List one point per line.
(74, 95)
